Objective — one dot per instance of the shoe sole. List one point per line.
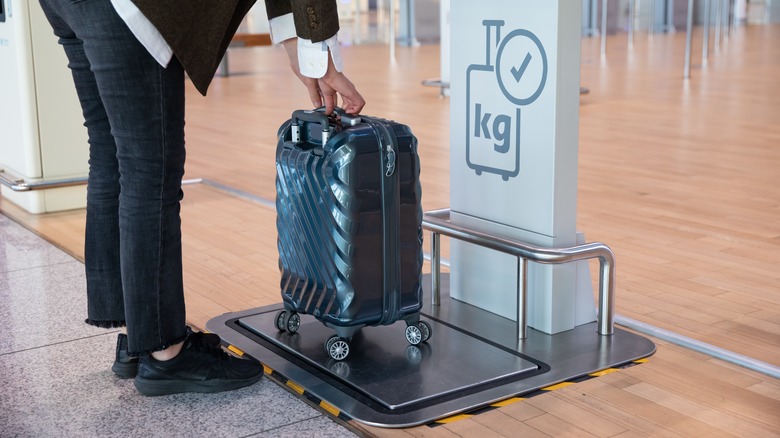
(125, 370)
(153, 388)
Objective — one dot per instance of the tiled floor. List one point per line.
(55, 377)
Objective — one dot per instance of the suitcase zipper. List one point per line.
(391, 305)
(390, 161)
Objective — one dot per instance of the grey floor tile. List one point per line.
(43, 306)
(69, 390)
(320, 427)
(55, 377)
(22, 249)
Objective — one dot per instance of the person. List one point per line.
(128, 59)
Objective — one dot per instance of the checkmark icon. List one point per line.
(518, 72)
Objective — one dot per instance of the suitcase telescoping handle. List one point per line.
(313, 117)
(319, 116)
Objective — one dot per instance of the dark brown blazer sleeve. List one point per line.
(277, 8)
(198, 31)
(315, 20)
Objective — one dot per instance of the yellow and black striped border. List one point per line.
(294, 387)
(301, 391)
(512, 400)
(335, 412)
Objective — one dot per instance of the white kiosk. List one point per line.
(43, 143)
(513, 159)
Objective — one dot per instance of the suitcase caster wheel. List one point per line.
(293, 322)
(425, 330)
(280, 320)
(338, 348)
(413, 334)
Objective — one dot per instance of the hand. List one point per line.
(325, 90)
(336, 83)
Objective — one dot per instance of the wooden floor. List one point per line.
(680, 178)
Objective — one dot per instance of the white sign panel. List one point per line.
(513, 160)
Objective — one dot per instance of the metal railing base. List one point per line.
(438, 222)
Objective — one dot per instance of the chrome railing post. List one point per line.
(651, 20)
(706, 36)
(435, 268)
(606, 318)
(718, 20)
(603, 28)
(688, 33)
(631, 13)
(522, 298)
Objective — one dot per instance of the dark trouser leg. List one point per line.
(134, 112)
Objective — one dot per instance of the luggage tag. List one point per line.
(339, 116)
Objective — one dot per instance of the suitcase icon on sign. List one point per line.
(518, 73)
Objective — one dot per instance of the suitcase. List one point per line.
(349, 223)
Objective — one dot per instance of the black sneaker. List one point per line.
(125, 366)
(199, 367)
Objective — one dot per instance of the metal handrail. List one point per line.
(19, 185)
(438, 222)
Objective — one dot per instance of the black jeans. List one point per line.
(134, 113)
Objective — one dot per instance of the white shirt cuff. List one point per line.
(282, 28)
(144, 31)
(313, 57)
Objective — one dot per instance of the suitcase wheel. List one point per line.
(418, 333)
(425, 329)
(293, 322)
(413, 334)
(338, 348)
(288, 321)
(280, 323)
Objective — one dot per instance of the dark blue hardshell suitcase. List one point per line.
(349, 221)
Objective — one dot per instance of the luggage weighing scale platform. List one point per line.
(471, 360)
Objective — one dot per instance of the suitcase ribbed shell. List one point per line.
(330, 226)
